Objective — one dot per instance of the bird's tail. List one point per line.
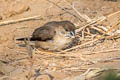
(21, 39)
(26, 38)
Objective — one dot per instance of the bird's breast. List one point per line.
(58, 43)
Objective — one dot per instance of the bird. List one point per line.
(53, 36)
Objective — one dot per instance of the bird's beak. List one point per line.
(71, 35)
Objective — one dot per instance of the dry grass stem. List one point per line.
(85, 17)
(93, 22)
(106, 51)
(20, 20)
(88, 31)
(98, 29)
(96, 21)
(61, 54)
(64, 10)
(113, 14)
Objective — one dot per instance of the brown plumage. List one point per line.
(55, 35)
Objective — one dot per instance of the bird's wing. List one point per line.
(43, 33)
(48, 31)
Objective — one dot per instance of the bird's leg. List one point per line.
(28, 47)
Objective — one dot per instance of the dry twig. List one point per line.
(65, 10)
(93, 22)
(20, 20)
(85, 17)
(105, 51)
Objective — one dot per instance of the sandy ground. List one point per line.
(14, 61)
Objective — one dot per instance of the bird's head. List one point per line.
(69, 29)
(66, 29)
(67, 34)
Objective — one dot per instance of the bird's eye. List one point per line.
(54, 31)
(66, 29)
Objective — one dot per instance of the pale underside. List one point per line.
(59, 42)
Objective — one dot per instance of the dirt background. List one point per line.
(14, 61)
